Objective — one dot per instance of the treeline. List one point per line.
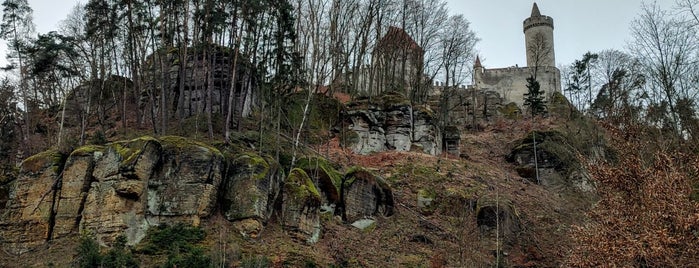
(653, 82)
(284, 45)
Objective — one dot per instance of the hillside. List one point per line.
(445, 210)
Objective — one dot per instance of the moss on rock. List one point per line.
(86, 150)
(42, 160)
(329, 180)
(301, 186)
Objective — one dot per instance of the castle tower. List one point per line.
(538, 35)
(477, 71)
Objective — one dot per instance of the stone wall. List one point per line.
(511, 83)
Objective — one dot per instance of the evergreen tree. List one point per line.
(534, 98)
(16, 27)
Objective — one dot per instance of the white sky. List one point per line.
(580, 25)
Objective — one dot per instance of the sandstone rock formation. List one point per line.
(27, 220)
(365, 194)
(391, 123)
(548, 155)
(249, 192)
(125, 188)
(301, 206)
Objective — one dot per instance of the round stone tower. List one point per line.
(538, 35)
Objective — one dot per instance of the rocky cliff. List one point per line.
(125, 188)
(391, 123)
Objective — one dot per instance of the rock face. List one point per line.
(119, 189)
(301, 206)
(546, 154)
(252, 186)
(365, 195)
(27, 220)
(125, 188)
(166, 69)
(390, 123)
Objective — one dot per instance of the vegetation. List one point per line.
(89, 254)
(179, 242)
(265, 81)
(534, 98)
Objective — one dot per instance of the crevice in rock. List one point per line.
(55, 189)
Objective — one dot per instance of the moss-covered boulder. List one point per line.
(186, 182)
(425, 200)
(145, 182)
(301, 207)
(365, 194)
(510, 111)
(326, 178)
(26, 220)
(251, 186)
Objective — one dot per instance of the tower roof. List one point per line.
(478, 62)
(535, 11)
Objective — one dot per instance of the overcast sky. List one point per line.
(580, 25)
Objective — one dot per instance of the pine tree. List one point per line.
(534, 98)
(16, 27)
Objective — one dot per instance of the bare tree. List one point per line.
(457, 42)
(666, 48)
(619, 82)
(540, 50)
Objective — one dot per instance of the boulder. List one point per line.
(251, 187)
(301, 207)
(425, 200)
(184, 187)
(365, 195)
(325, 177)
(552, 159)
(116, 201)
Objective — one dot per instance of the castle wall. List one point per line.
(511, 83)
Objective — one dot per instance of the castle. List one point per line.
(511, 82)
(397, 65)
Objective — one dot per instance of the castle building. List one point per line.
(396, 66)
(397, 61)
(511, 82)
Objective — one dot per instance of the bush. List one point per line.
(118, 256)
(88, 253)
(179, 242)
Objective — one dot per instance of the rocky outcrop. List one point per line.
(390, 122)
(301, 206)
(201, 71)
(544, 157)
(249, 192)
(122, 188)
(364, 195)
(27, 220)
(127, 187)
